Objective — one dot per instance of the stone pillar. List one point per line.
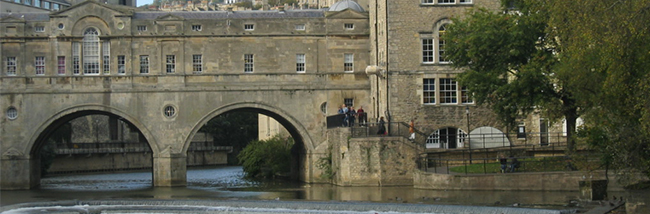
(19, 172)
(169, 169)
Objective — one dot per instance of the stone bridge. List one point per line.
(168, 111)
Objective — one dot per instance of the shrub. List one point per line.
(267, 158)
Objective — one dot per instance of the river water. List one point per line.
(227, 183)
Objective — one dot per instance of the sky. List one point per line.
(143, 2)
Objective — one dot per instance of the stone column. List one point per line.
(169, 169)
(18, 171)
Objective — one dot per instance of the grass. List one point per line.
(532, 164)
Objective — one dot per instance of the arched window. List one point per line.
(90, 52)
(442, 58)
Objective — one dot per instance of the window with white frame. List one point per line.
(442, 57)
(429, 91)
(445, 2)
(75, 58)
(248, 63)
(90, 51)
(39, 29)
(141, 28)
(249, 27)
(465, 96)
(11, 66)
(197, 27)
(39, 64)
(349, 26)
(170, 64)
(300, 27)
(121, 64)
(348, 62)
(106, 54)
(448, 91)
(427, 51)
(197, 63)
(60, 65)
(144, 64)
(300, 62)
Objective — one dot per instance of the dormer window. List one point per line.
(349, 26)
(300, 27)
(141, 28)
(196, 28)
(249, 27)
(39, 28)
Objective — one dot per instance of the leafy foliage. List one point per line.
(234, 129)
(510, 61)
(267, 158)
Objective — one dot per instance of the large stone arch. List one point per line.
(44, 130)
(295, 128)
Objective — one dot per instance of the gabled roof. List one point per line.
(347, 14)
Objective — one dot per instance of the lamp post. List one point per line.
(469, 138)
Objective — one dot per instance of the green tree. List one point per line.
(234, 129)
(267, 158)
(605, 59)
(510, 63)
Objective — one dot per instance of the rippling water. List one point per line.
(227, 183)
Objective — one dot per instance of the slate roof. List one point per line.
(269, 14)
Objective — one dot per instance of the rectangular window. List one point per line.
(465, 1)
(300, 62)
(28, 2)
(197, 63)
(429, 91)
(300, 27)
(121, 64)
(348, 63)
(446, 1)
(427, 1)
(441, 45)
(349, 26)
(349, 102)
(448, 91)
(248, 63)
(37, 3)
(170, 64)
(141, 28)
(197, 27)
(144, 64)
(39, 28)
(60, 65)
(106, 55)
(56, 7)
(39, 64)
(75, 58)
(11, 65)
(465, 96)
(249, 27)
(17, 1)
(46, 5)
(427, 50)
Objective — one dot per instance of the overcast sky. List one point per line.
(143, 2)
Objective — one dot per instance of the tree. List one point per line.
(234, 129)
(267, 158)
(605, 59)
(510, 63)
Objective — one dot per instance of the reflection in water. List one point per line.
(227, 183)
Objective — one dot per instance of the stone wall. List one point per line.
(547, 181)
(373, 161)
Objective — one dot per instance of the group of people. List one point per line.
(514, 164)
(351, 115)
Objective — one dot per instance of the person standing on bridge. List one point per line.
(412, 131)
(362, 116)
(352, 116)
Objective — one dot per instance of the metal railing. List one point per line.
(524, 164)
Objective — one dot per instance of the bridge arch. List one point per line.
(295, 127)
(47, 127)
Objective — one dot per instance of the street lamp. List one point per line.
(469, 138)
